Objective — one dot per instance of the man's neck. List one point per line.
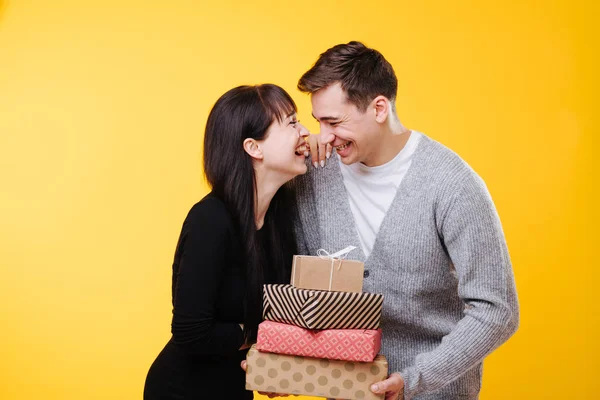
(390, 144)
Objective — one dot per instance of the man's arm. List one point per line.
(300, 189)
(472, 233)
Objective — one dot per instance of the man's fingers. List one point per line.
(379, 387)
(243, 365)
(392, 384)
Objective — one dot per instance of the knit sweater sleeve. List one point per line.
(301, 189)
(471, 231)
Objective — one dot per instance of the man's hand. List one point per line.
(393, 387)
(319, 152)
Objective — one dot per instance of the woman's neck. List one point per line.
(265, 191)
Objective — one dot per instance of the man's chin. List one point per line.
(348, 160)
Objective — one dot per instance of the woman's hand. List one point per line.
(319, 152)
(245, 345)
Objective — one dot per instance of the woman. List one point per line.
(233, 241)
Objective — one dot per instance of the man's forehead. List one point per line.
(325, 108)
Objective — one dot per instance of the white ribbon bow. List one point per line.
(339, 255)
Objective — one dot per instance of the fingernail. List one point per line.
(328, 155)
(306, 154)
(374, 388)
(316, 164)
(322, 163)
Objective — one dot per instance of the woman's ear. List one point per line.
(252, 147)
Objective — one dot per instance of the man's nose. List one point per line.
(327, 135)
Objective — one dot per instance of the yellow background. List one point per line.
(102, 109)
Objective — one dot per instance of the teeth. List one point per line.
(300, 150)
(342, 147)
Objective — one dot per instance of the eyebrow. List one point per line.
(291, 114)
(326, 118)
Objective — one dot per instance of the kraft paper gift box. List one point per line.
(277, 373)
(361, 345)
(327, 273)
(321, 309)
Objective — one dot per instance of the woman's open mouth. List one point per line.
(302, 150)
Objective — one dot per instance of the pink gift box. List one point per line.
(360, 345)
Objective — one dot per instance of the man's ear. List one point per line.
(382, 107)
(252, 147)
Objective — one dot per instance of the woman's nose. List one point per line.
(302, 131)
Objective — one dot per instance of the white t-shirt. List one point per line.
(371, 190)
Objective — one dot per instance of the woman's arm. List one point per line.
(203, 247)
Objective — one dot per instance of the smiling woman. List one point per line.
(232, 242)
(281, 152)
(102, 110)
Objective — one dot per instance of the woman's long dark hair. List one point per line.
(241, 113)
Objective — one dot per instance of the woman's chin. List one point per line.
(300, 170)
(303, 169)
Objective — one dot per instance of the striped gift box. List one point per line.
(321, 309)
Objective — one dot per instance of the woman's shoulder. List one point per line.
(210, 212)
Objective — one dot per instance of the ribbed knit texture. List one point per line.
(440, 260)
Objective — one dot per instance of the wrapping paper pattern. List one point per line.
(320, 309)
(277, 373)
(334, 344)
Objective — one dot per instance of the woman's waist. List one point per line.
(176, 353)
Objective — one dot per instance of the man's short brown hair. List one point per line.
(362, 72)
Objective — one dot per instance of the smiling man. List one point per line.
(424, 222)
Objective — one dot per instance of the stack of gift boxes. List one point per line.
(320, 335)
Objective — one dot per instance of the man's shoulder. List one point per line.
(447, 174)
(441, 155)
(303, 184)
(442, 163)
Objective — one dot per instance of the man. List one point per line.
(424, 224)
